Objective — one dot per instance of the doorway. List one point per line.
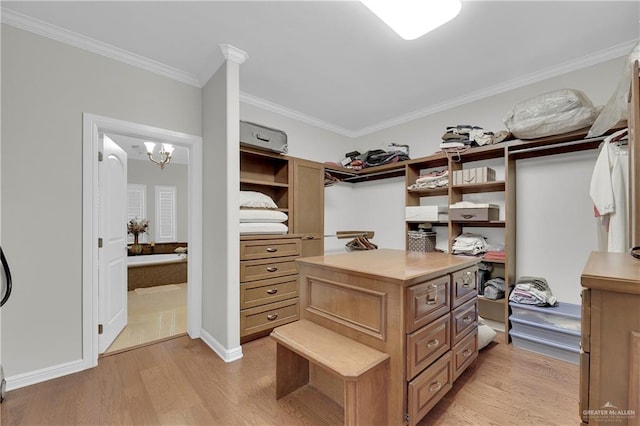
(157, 281)
(93, 127)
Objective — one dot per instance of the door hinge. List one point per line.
(99, 242)
(99, 156)
(406, 416)
(99, 328)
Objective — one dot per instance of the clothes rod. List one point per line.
(557, 146)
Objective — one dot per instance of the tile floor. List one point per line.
(153, 313)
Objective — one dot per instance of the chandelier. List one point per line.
(166, 150)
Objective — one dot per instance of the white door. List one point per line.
(112, 268)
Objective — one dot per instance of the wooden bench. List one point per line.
(362, 369)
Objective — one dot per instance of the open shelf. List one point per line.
(429, 192)
(496, 301)
(472, 188)
(262, 182)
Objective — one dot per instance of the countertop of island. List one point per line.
(618, 272)
(398, 266)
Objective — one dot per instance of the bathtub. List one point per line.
(153, 259)
(156, 269)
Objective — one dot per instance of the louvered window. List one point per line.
(136, 206)
(165, 214)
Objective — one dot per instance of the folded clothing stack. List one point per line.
(258, 215)
(495, 252)
(464, 135)
(533, 291)
(494, 288)
(432, 180)
(469, 244)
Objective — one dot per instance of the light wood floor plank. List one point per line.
(180, 381)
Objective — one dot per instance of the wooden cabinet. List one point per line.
(610, 358)
(496, 310)
(308, 205)
(268, 283)
(401, 305)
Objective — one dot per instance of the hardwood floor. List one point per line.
(181, 381)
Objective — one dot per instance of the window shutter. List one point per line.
(136, 206)
(166, 214)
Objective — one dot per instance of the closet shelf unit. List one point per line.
(508, 152)
(368, 173)
(267, 173)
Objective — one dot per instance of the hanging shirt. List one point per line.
(609, 193)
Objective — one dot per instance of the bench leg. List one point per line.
(365, 400)
(292, 371)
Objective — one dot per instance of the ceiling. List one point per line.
(333, 63)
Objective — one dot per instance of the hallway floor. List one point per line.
(154, 313)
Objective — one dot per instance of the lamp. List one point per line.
(166, 150)
(414, 18)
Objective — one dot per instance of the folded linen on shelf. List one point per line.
(533, 291)
(469, 244)
(262, 216)
(262, 228)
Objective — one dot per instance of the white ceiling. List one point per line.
(333, 63)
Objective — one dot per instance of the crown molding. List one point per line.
(232, 53)
(613, 52)
(60, 34)
(296, 115)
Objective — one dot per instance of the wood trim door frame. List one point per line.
(92, 126)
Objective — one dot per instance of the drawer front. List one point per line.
(266, 249)
(252, 270)
(262, 292)
(426, 302)
(463, 320)
(464, 353)
(265, 317)
(428, 388)
(428, 344)
(464, 286)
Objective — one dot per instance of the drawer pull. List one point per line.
(434, 300)
(467, 320)
(272, 291)
(271, 317)
(466, 353)
(272, 269)
(435, 387)
(466, 279)
(433, 343)
(308, 237)
(271, 249)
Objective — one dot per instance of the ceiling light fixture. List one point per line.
(166, 151)
(414, 18)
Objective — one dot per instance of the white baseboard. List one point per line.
(227, 355)
(38, 376)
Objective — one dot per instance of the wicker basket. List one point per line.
(422, 241)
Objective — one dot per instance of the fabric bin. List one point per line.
(421, 241)
(474, 214)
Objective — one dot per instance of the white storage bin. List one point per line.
(424, 213)
(540, 330)
(545, 347)
(565, 316)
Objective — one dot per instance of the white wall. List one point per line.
(149, 174)
(47, 85)
(553, 243)
(221, 247)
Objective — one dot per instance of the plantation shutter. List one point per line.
(166, 214)
(136, 206)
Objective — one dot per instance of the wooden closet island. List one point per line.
(420, 309)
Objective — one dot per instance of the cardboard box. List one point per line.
(475, 175)
(424, 213)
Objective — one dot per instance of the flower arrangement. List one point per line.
(137, 226)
